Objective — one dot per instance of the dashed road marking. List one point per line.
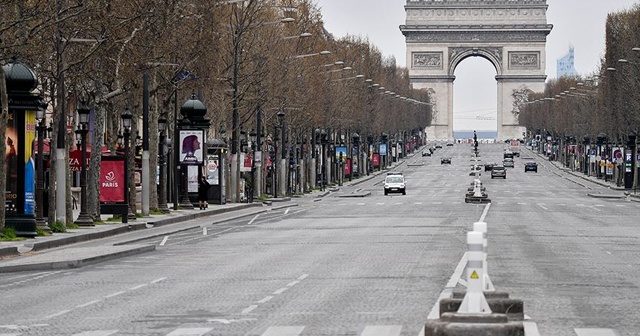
(284, 331)
(249, 309)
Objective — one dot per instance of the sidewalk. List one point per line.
(90, 245)
(616, 192)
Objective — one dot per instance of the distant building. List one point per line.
(566, 65)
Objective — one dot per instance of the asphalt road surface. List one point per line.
(361, 266)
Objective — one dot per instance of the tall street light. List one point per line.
(162, 162)
(41, 127)
(126, 124)
(283, 159)
(84, 219)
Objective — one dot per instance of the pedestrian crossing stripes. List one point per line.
(299, 330)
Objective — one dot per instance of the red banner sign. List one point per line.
(347, 167)
(375, 160)
(112, 183)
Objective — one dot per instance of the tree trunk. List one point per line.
(93, 175)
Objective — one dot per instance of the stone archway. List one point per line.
(511, 34)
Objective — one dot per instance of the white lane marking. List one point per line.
(189, 332)
(286, 211)
(114, 294)
(620, 205)
(543, 207)
(96, 333)
(60, 313)
(138, 286)
(595, 332)
(302, 277)
(522, 203)
(418, 203)
(266, 299)
(88, 303)
(437, 203)
(164, 240)
(484, 213)
(280, 291)
(204, 231)
(608, 252)
(531, 329)
(600, 205)
(249, 309)
(254, 218)
(361, 204)
(158, 280)
(9, 334)
(36, 277)
(293, 283)
(284, 331)
(388, 330)
(379, 203)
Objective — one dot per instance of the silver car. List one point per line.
(508, 162)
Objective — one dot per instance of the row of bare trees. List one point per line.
(606, 102)
(233, 54)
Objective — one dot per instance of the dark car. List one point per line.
(446, 160)
(488, 166)
(438, 146)
(449, 144)
(531, 166)
(498, 171)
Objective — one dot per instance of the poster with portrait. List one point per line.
(29, 163)
(191, 144)
(11, 169)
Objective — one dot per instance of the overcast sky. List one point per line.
(577, 23)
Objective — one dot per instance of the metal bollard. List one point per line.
(482, 227)
(474, 301)
(477, 190)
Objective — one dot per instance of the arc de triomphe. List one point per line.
(511, 34)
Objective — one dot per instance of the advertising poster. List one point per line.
(246, 160)
(112, 184)
(347, 168)
(212, 170)
(375, 160)
(383, 149)
(341, 152)
(11, 161)
(29, 163)
(191, 152)
(192, 175)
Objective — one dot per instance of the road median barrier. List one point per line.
(480, 310)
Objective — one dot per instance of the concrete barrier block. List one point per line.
(454, 324)
(512, 308)
(488, 295)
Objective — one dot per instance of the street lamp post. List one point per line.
(127, 116)
(185, 202)
(162, 162)
(283, 159)
(254, 151)
(40, 220)
(84, 219)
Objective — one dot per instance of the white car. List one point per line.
(394, 184)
